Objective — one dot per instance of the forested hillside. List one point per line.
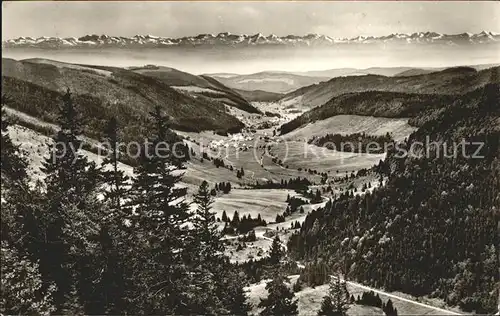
(420, 97)
(374, 103)
(456, 80)
(203, 86)
(36, 87)
(433, 228)
(88, 240)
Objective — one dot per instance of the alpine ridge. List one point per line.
(227, 39)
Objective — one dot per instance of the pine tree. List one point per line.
(225, 187)
(215, 288)
(225, 219)
(327, 308)
(233, 294)
(110, 290)
(22, 287)
(276, 252)
(389, 309)
(280, 300)
(337, 300)
(72, 209)
(114, 238)
(160, 223)
(235, 222)
(14, 182)
(13, 166)
(113, 176)
(207, 236)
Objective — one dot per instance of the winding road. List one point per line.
(367, 288)
(260, 234)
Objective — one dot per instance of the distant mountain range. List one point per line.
(381, 96)
(235, 40)
(286, 82)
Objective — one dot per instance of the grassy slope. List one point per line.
(174, 77)
(350, 124)
(372, 103)
(102, 92)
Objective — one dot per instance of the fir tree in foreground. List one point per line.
(114, 236)
(13, 166)
(276, 252)
(159, 224)
(234, 296)
(206, 261)
(206, 235)
(14, 180)
(389, 309)
(113, 176)
(24, 290)
(459, 194)
(280, 300)
(336, 303)
(72, 210)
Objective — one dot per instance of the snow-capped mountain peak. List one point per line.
(229, 39)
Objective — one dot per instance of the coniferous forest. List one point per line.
(434, 228)
(88, 240)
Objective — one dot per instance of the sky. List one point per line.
(177, 19)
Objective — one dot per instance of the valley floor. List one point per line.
(254, 152)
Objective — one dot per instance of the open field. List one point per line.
(267, 203)
(398, 128)
(254, 153)
(253, 250)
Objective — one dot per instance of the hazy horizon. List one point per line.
(185, 18)
(252, 60)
